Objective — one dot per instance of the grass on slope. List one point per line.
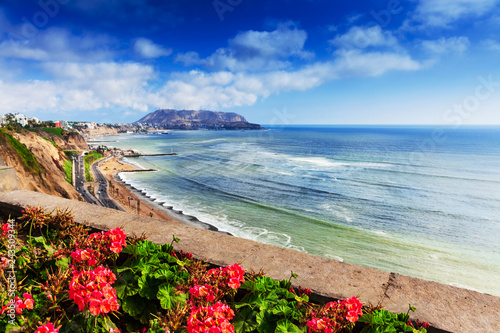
(27, 158)
(51, 141)
(68, 165)
(54, 130)
(68, 170)
(89, 159)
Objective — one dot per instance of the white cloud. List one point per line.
(443, 13)
(27, 96)
(255, 65)
(77, 86)
(491, 45)
(255, 50)
(145, 48)
(218, 90)
(447, 45)
(362, 37)
(356, 63)
(57, 44)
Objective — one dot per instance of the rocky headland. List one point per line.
(196, 119)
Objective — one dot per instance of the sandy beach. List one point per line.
(140, 203)
(119, 192)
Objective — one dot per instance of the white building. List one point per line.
(21, 119)
(35, 120)
(65, 125)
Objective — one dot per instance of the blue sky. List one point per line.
(275, 62)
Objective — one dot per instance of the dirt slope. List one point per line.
(51, 178)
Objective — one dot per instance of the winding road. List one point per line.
(102, 197)
(102, 188)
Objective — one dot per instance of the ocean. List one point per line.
(417, 200)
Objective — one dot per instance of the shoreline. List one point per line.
(168, 213)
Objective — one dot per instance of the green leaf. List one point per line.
(175, 239)
(133, 305)
(148, 286)
(167, 248)
(304, 298)
(63, 262)
(108, 323)
(249, 285)
(167, 296)
(147, 247)
(148, 313)
(245, 321)
(38, 240)
(267, 321)
(411, 308)
(286, 326)
(402, 317)
(50, 249)
(164, 274)
(283, 310)
(285, 284)
(293, 275)
(131, 249)
(126, 285)
(11, 328)
(367, 318)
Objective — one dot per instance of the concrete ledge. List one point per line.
(446, 308)
(8, 179)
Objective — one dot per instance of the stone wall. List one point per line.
(446, 308)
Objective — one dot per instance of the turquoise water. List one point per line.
(419, 201)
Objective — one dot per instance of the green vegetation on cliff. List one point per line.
(68, 165)
(89, 159)
(68, 170)
(27, 158)
(51, 141)
(54, 130)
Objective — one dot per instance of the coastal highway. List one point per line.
(79, 169)
(102, 188)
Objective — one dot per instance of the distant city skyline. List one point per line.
(279, 62)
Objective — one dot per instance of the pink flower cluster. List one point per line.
(211, 319)
(353, 307)
(336, 315)
(5, 229)
(87, 256)
(49, 328)
(113, 240)
(93, 288)
(117, 238)
(420, 324)
(98, 246)
(231, 275)
(205, 292)
(4, 263)
(20, 304)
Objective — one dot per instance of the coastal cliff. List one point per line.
(39, 162)
(68, 140)
(107, 129)
(196, 119)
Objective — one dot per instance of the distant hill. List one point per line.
(191, 119)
